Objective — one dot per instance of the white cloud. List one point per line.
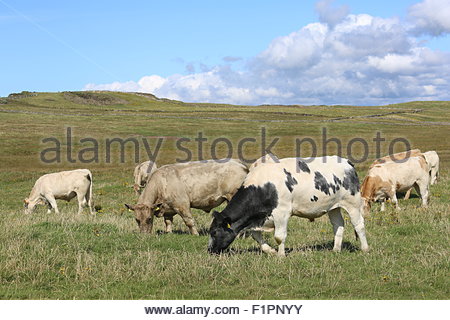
(300, 49)
(115, 86)
(431, 17)
(361, 59)
(151, 83)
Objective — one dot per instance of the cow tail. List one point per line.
(90, 201)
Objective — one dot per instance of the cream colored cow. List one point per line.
(175, 188)
(64, 185)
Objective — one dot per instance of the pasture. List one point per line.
(70, 256)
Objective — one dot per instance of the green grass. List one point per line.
(70, 256)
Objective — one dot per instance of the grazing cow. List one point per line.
(384, 180)
(272, 192)
(141, 174)
(398, 157)
(175, 188)
(64, 185)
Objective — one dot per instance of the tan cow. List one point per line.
(175, 188)
(64, 185)
(141, 174)
(398, 157)
(384, 180)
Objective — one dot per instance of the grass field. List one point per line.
(70, 256)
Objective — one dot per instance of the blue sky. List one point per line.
(249, 52)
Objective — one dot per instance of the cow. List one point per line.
(64, 185)
(175, 188)
(398, 157)
(384, 180)
(141, 174)
(431, 157)
(274, 191)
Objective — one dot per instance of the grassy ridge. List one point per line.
(66, 256)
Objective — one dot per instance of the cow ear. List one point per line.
(129, 207)
(156, 207)
(227, 223)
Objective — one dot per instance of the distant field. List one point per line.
(70, 256)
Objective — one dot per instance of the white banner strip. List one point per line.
(224, 309)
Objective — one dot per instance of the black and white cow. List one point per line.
(274, 191)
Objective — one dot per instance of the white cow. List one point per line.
(384, 180)
(64, 185)
(274, 191)
(141, 174)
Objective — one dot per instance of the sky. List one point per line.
(240, 52)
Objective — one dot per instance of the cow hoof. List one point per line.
(268, 249)
(365, 249)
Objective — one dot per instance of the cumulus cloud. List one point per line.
(431, 17)
(357, 59)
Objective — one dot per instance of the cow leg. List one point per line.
(186, 215)
(422, 190)
(257, 235)
(338, 228)
(395, 200)
(49, 206)
(435, 175)
(407, 194)
(168, 220)
(81, 202)
(281, 221)
(52, 201)
(358, 224)
(88, 201)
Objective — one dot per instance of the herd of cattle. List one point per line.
(261, 197)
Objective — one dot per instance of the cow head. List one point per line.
(221, 235)
(29, 205)
(143, 216)
(367, 205)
